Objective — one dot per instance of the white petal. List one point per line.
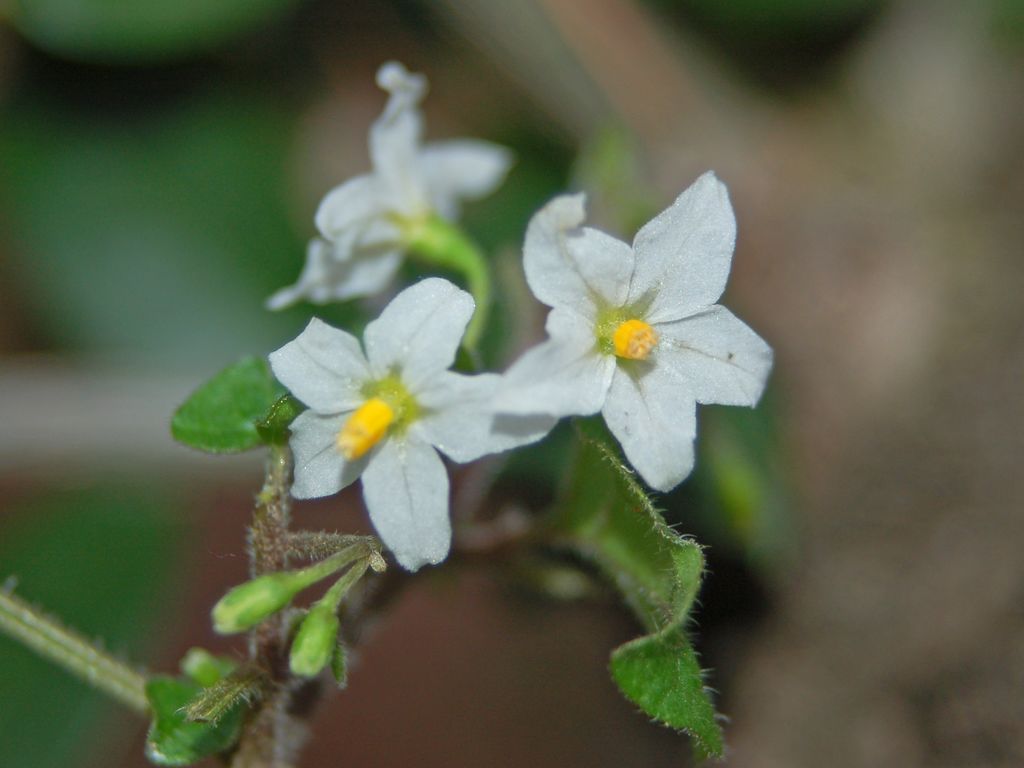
(558, 379)
(684, 253)
(573, 267)
(419, 332)
(314, 281)
(570, 327)
(324, 367)
(718, 357)
(459, 417)
(395, 139)
(365, 274)
(349, 205)
(462, 169)
(320, 469)
(406, 492)
(654, 419)
(332, 276)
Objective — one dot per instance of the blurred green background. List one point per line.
(160, 164)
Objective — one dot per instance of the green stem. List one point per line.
(310, 575)
(73, 652)
(332, 599)
(440, 243)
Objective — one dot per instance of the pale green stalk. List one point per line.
(73, 652)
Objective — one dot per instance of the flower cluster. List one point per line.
(635, 333)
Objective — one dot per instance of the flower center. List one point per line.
(634, 339)
(365, 428)
(389, 407)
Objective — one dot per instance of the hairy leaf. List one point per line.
(173, 739)
(220, 416)
(606, 516)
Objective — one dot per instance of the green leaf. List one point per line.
(661, 675)
(173, 739)
(220, 416)
(607, 517)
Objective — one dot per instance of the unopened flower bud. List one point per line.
(248, 604)
(315, 641)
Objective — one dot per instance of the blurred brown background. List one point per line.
(159, 167)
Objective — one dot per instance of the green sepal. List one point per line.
(173, 739)
(606, 516)
(240, 688)
(339, 665)
(273, 428)
(220, 416)
(315, 641)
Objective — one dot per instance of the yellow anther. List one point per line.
(364, 428)
(634, 340)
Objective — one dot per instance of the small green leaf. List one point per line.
(220, 416)
(606, 516)
(661, 675)
(172, 739)
(273, 428)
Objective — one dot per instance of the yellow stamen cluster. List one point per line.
(634, 339)
(365, 428)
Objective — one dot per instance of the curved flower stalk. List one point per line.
(383, 415)
(635, 332)
(369, 222)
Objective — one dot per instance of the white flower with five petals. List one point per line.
(635, 332)
(383, 415)
(367, 221)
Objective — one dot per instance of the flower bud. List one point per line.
(315, 641)
(248, 604)
(205, 668)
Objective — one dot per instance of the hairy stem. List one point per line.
(318, 545)
(268, 536)
(73, 652)
(269, 728)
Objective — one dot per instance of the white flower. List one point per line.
(382, 414)
(367, 220)
(635, 332)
